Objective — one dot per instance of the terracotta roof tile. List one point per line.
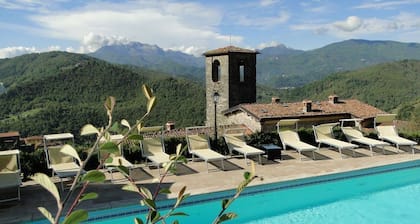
(282, 110)
(229, 49)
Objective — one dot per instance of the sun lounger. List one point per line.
(10, 172)
(235, 140)
(287, 131)
(386, 130)
(62, 165)
(198, 145)
(353, 134)
(323, 135)
(153, 148)
(118, 158)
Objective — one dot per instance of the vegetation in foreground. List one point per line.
(70, 215)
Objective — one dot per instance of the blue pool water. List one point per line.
(388, 194)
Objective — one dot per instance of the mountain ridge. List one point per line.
(277, 66)
(152, 57)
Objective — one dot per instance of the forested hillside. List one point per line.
(62, 92)
(300, 68)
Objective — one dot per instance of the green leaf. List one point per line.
(155, 216)
(89, 129)
(88, 196)
(225, 203)
(46, 183)
(247, 175)
(69, 150)
(109, 160)
(76, 216)
(109, 147)
(178, 149)
(94, 176)
(146, 192)
(168, 166)
(135, 137)
(179, 214)
(115, 127)
(147, 92)
(175, 222)
(138, 221)
(131, 187)
(125, 123)
(151, 104)
(165, 191)
(109, 104)
(226, 217)
(182, 191)
(124, 170)
(149, 203)
(46, 214)
(181, 197)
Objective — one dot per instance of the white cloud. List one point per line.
(268, 44)
(386, 4)
(266, 3)
(352, 23)
(264, 22)
(10, 52)
(54, 48)
(91, 42)
(165, 23)
(29, 5)
(355, 27)
(197, 51)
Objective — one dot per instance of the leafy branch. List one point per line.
(223, 216)
(81, 178)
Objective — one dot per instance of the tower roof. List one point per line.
(229, 49)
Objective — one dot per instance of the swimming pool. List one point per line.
(387, 194)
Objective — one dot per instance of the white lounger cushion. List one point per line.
(337, 143)
(388, 133)
(291, 139)
(153, 150)
(357, 136)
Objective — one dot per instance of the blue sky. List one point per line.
(83, 26)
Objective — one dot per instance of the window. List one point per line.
(215, 72)
(242, 73)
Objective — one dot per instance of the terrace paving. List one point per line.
(194, 175)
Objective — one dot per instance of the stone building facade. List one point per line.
(231, 73)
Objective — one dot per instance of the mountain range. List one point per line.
(153, 57)
(278, 66)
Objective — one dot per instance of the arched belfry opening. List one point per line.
(231, 73)
(215, 71)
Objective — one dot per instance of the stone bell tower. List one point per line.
(230, 74)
